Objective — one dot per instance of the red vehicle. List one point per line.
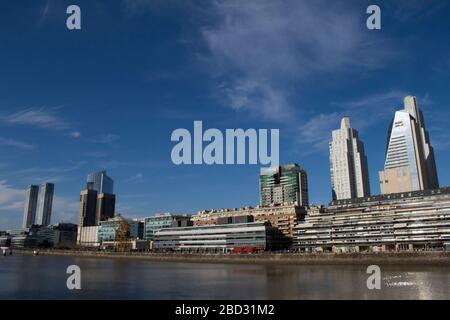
(247, 249)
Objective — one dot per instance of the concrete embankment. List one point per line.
(398, 258)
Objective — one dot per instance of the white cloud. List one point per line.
(16, 144)
(39, 118)
(261, 51)
(10, 198)
(75, 134)
(106, 138)
(137, 177)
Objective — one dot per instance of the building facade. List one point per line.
(348, 164)
(254, 236)
(87, 213)
(88, 236)
(106, 206)
(287, 184)
(410, 163)
(396, 222)
(45, 204)
(283, 217)
(161, 221)
(31, 202)
(100, 182)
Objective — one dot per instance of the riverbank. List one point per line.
(397, 258)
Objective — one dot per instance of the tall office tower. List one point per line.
(100, 182)
(31, 201)
(106, 205)
(410, 163)
(283, 184)
(45, 204)
(348, 164)
(87, 214)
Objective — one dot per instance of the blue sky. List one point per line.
(109, 96)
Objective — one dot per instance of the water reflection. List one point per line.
(43, 277)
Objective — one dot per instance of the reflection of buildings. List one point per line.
(31, 201)
(348, 164)
(405, 221)
(410, 163)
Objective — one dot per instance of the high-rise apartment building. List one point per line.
(283, 184)
(410, 163)
(348, 164)
(87, 214)
(31, 201)
(45, 204)
(100, 182)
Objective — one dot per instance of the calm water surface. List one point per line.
(44, 277)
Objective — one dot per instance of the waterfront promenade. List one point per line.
(386, 258)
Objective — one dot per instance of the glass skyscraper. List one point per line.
(31, 201)
(283, 184)
(100, 182)
(410, 163)
(45, 204)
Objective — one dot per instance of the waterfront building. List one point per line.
(253, 236)
(287, 184)
(106, 205)
(164, 220)
(282, 217)
(31, 201)
(88, 236)
(110, 229)
(348, 164)
(410, 163)
(45, 204)
(411, 221)
(100, 182)
(87, 214)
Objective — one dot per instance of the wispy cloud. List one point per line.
(36, 117)
(16, 144)
(75, 134)
(139, 177)
(364, 112)
(106, 138)
(270, 47)
(10, 198)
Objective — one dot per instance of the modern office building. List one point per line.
(408, 221)
(348, 164)
(287, 184)
(110, 229)
(282, 217)
(106, 205)
(31, 202)
(410, 163)
(45, 204)
(164, 220)
(100, 182)
(87, 214)
(253, 236)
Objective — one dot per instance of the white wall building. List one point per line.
(348, 164)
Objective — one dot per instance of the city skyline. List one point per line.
(115, 104)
